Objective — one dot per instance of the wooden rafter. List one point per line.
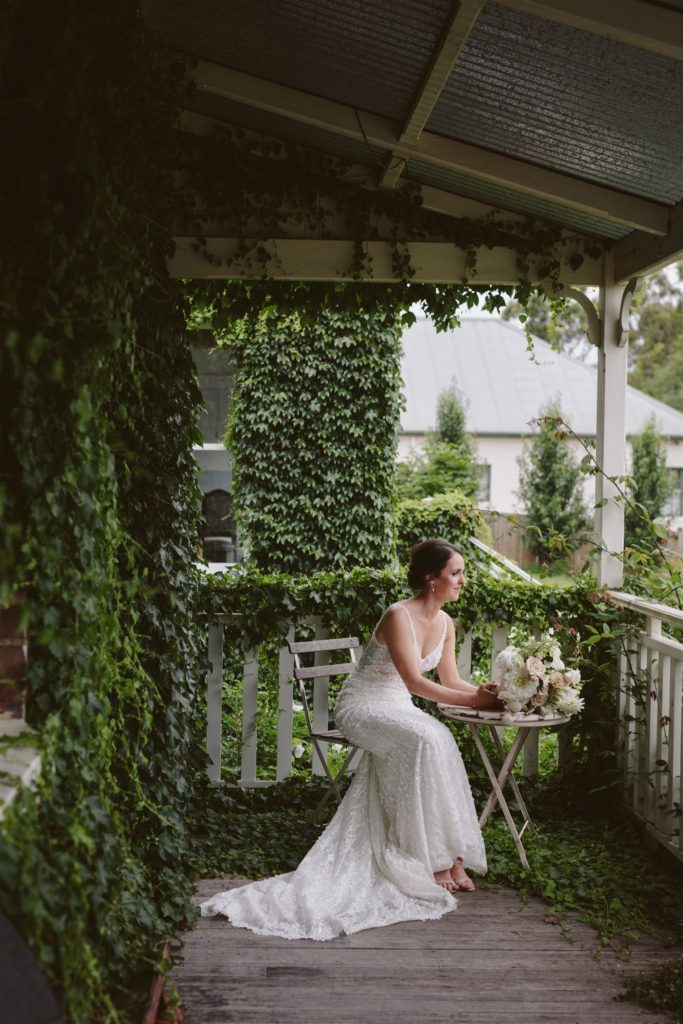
(437, 150)
(463, 18)
(437, 200)
(634, 22)
(639, 253)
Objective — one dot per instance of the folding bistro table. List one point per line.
(477, 722)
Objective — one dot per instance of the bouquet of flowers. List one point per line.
(533, 679)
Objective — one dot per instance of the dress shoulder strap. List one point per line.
(412, 626)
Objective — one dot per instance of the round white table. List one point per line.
(478, 721)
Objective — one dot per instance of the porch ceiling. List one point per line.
(568, 110)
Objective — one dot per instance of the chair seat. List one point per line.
(330, 736)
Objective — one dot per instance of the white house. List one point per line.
(504, 388)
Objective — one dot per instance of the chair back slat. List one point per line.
(320, 671)
(309, 646)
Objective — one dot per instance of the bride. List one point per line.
(398, 846)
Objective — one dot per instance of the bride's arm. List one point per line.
(397, 637)
(451, 678)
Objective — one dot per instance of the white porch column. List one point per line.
(611, 420)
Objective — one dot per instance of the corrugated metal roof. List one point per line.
(512, 199)
(504, 388)
(372, 55)
(284, 128)
(566, 99)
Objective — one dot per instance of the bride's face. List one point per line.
(451, 579)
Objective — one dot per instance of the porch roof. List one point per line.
(571, 112)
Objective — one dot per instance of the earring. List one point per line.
(432, 586)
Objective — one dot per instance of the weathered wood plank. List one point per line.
(491, 961)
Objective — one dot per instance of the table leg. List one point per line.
(497, 793)
(505, 768)
(513, 781)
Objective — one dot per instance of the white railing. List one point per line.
(249, 762)
(650, 708)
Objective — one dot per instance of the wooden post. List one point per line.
(611, 420)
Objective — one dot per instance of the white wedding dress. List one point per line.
(407, 813)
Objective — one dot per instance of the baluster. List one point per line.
(676, 748)
(530, 762)
(465, 655)
(214, 700)
(285, 711)
(249, 716)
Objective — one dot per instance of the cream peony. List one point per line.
(568, 701)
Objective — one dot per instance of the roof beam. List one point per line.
(383, 133)
(633, 22)
(437, 200)
(462, 20)
(638, 254)
(324, 259)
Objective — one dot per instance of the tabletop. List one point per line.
(499, 718)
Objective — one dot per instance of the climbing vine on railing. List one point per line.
(98, 501)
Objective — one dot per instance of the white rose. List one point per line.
(299, 750)
(557, 662)
(573, 677)
(535, 667)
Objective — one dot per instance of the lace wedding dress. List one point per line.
(407, 813)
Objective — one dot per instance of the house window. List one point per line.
(674, 504)
(484, 483)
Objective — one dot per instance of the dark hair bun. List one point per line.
(428, 559)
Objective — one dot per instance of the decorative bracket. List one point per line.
(591, 312)
(624, 312)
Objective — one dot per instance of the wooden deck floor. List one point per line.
(489, 962)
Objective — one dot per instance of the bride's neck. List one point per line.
(428, 605)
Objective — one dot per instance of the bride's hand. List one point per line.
(485, 699)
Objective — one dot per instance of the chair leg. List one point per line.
(333, 782)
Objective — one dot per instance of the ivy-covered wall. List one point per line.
(313, 427)
(98, 499)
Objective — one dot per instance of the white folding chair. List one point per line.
(315, 673)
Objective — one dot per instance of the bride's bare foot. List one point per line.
(460, 878)
(445, 880)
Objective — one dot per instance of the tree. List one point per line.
(650, 485)
(564, 328)
(448, 461)
(551, 488)
(656, 343)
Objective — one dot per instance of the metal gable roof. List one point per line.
(504, 388)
